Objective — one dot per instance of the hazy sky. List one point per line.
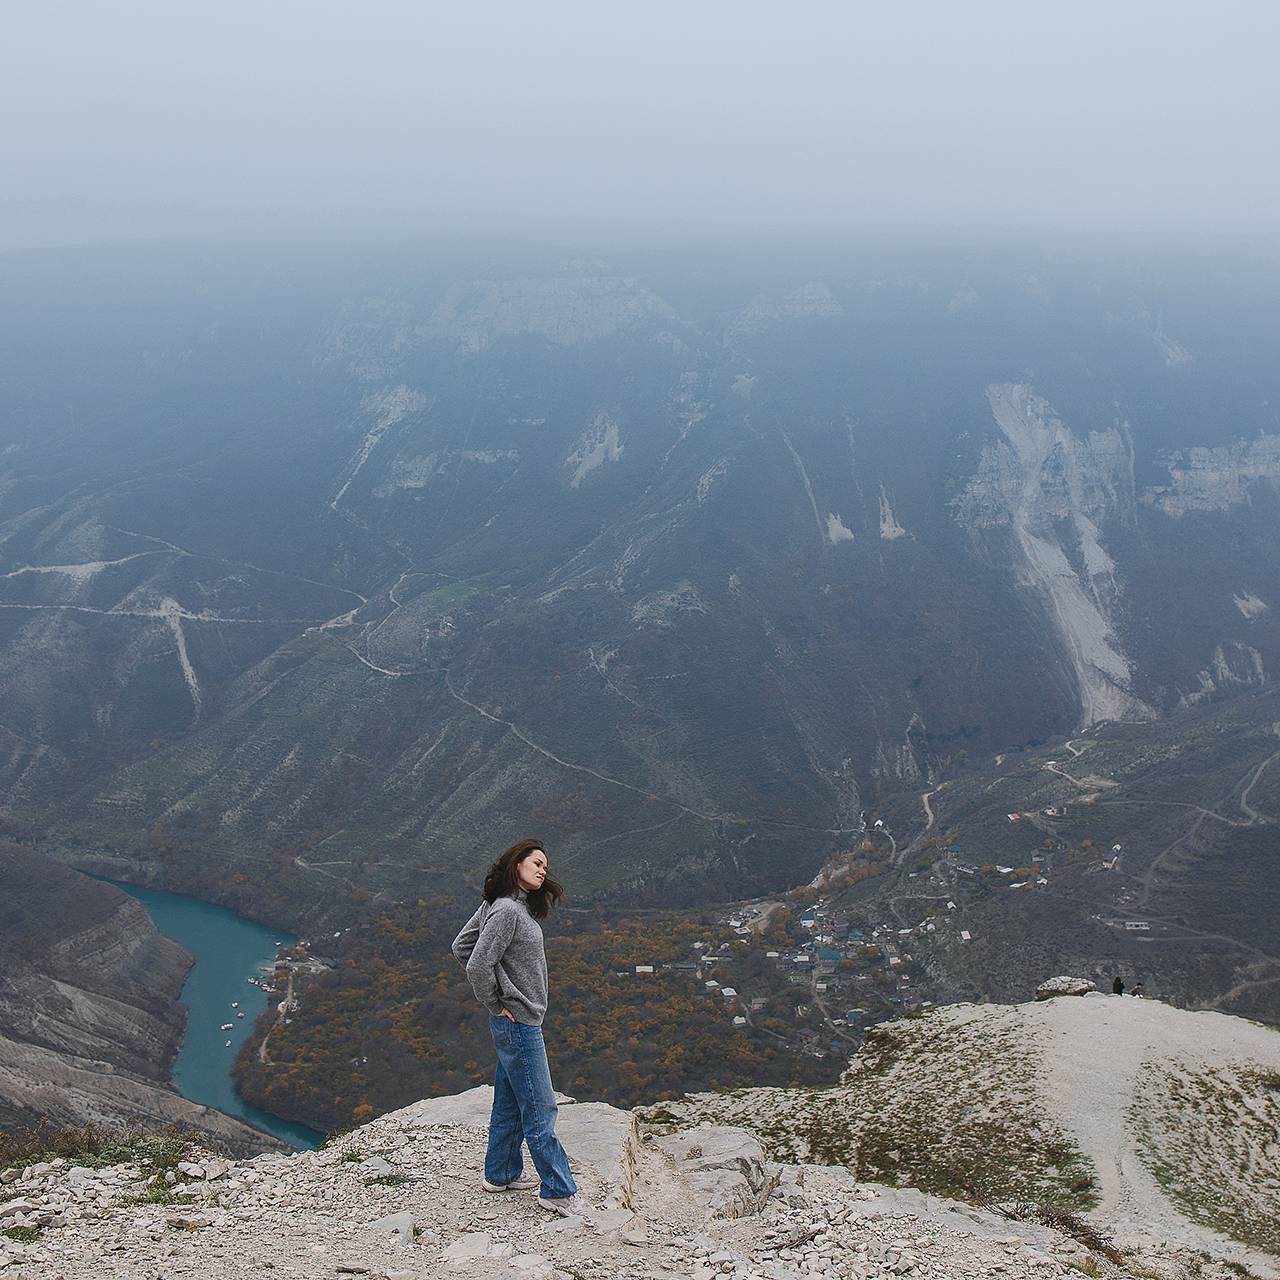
(649, 120)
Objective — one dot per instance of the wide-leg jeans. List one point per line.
(524, 1107)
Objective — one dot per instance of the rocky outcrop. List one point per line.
(61, 1089)
(1203, 480)
(813, 300)
(1233, 665)
(725, 1167)
(1125, 1108)
(1064, 986)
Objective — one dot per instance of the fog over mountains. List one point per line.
(333, 569)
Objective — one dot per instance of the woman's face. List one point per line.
(531, 870)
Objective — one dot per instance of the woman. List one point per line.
(501, 946)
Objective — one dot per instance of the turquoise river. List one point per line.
(229, 951)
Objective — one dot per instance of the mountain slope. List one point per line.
(339, 567)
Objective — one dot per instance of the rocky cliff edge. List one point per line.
(678, 1193)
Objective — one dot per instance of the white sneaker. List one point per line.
(522, 1183)
(574, 1206)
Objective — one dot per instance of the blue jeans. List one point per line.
(524, 1107)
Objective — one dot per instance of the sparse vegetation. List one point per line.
(1060, 1218)
(1085, 1266)
(159, 1192)
(23, 1235)
(93, 1146)
(1202, 1135)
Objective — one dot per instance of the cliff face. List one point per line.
(1053, 493)
(85, 971)
(89, 1012)
(1203, 479)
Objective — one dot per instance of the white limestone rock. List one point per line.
(398, 1228)
(725, 1166)
(1064, 986)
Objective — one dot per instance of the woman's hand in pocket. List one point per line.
(506, 1013)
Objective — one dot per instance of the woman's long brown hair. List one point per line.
(501, 882)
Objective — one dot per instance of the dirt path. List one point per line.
(928, 808)
(1134, 803)
(1255, 815)
(1087, 783)
(280, 1017)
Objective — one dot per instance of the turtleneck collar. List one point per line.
(520, 895)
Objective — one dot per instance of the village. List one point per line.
(817, 975)
(812, 977)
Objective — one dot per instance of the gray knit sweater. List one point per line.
(501, 946)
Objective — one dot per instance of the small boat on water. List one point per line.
(235, 1004)
(227, 1026)
(228, 1044)
(240, 1014)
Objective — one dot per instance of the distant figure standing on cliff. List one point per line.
(501, 947)
(1117, 987)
